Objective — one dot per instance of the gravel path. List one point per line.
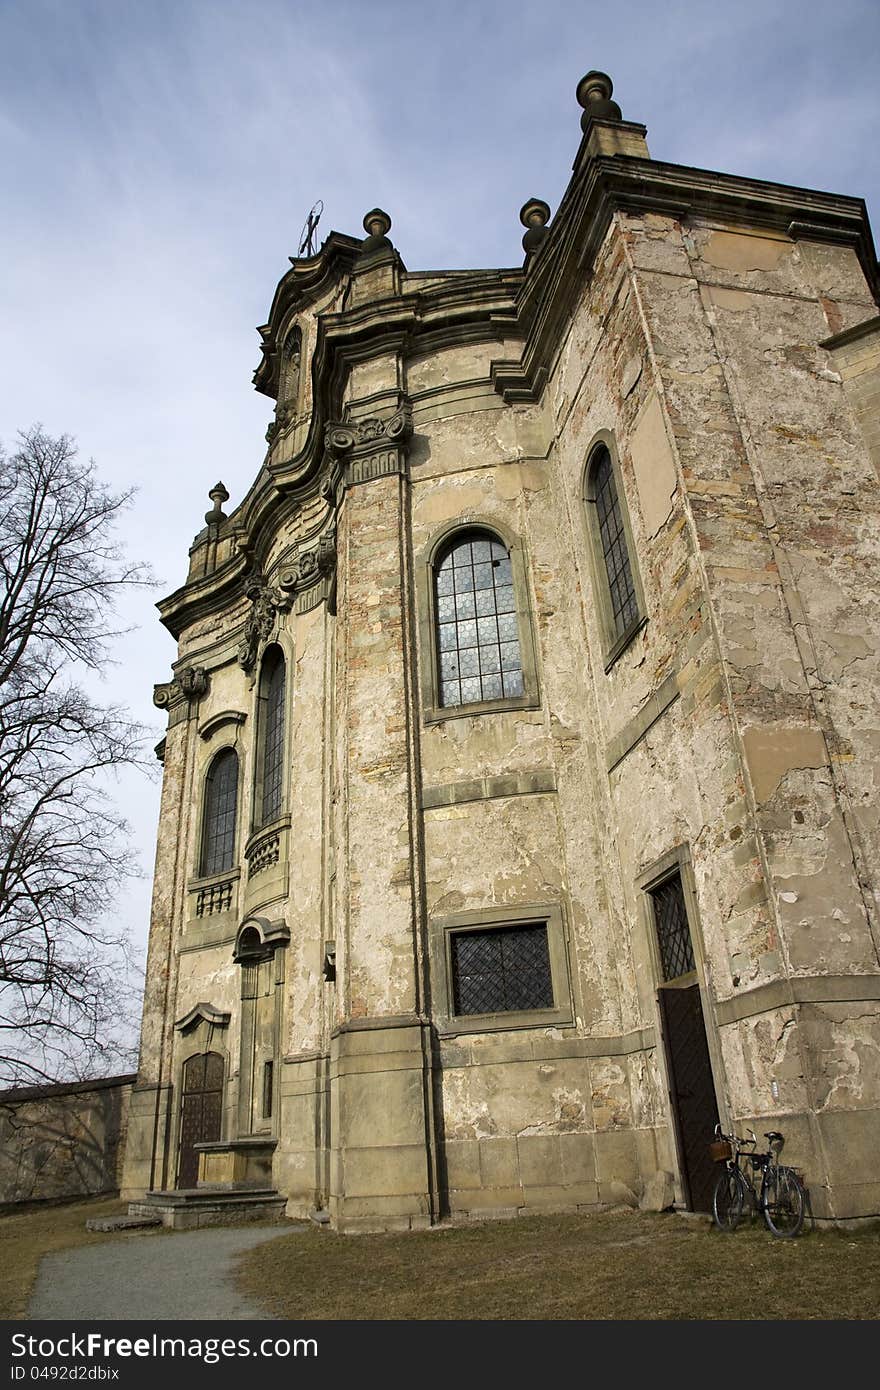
(181, 1275)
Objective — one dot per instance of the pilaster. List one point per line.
(146, 1153)
(382, 1147)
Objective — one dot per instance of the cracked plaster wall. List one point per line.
(783, 505)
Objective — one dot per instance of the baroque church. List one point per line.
(520, 806)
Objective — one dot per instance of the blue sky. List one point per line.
(159, 160)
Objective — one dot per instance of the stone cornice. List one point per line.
(815, 990)
(198, 598)
(603, 186)
(203, 1013)
(856, 334)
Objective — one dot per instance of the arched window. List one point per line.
(218, 821)
(269, 787)
(479, 655)
(617, 583)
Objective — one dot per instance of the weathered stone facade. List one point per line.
(714, 339)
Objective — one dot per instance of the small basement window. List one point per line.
(501, 968)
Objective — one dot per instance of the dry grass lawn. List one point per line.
(609, 1265)
(26, 1235)
(615, 1264)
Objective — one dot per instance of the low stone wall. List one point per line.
(65, 1140)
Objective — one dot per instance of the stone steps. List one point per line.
(187, 1209)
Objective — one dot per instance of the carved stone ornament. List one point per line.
(311, 566)
(397, 429)
(338, 439)
(193, 682)
(326, 553)
(267, 602)
(190, 684)
(291, 367)
(284, 412)
(288, 386)
(369, 429)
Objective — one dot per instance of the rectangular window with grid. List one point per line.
(501, 970)
(673, 932)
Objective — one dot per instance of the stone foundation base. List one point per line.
(191, 1209)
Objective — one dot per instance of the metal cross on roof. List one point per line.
(307, 240)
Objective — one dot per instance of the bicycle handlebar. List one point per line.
(735, 1139)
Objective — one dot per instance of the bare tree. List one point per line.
(64, 849)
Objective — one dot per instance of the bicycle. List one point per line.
(782, 1198)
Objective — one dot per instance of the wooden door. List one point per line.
(201, 1110)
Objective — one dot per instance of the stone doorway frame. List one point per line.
(677, 860)
(202, 1029)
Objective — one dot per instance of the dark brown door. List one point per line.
(692, 1090)
(201, 1109)
(691, 1087)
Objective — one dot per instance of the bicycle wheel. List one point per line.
(783, 1202)
(728, 1199)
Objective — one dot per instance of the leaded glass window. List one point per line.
(501, 970)
(270, 779)
(218, 829)
(673, 932)
(613, 543)
(478, 645)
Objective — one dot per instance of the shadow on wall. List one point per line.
(65, 1140)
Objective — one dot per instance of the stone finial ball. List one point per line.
(377, 223)
(534, 213)
(218, 496)
(594, 86)
(594, 95)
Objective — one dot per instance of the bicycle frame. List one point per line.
(781, 1198)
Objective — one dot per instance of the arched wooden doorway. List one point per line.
(201, 1110)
